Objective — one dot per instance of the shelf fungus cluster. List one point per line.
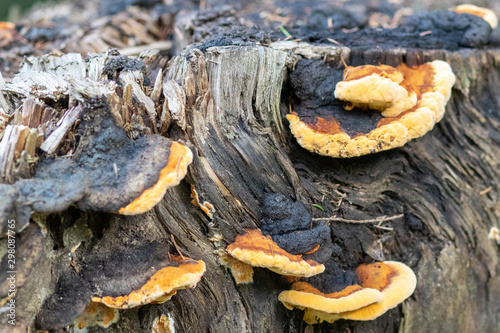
(380, 287)
(409, 101)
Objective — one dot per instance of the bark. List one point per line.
(233, 119)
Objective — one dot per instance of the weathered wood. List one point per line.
(52, 142)
(228, 103)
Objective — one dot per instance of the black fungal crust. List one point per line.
(333, 279)
(464, 29)
(108, 171)
(434, 30)
(281, 215)
(61, 308)
(301, 241)
(315, 98)
(55, 186)
(289, 224)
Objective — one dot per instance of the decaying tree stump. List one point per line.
(228, 104)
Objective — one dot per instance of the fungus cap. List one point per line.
(393, 279)
(171, 175)
(325, 135)
(486, 14)
(161, 286)
(375, 87)
(96, 314)
(258, 250)
(303, 295)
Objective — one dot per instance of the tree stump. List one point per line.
(228, 105)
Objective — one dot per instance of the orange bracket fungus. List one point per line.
(410, 101)
(380, 287)
(258, 250)
(486, 14)
(171, 175)
(304, 296)
(163, 324)
(375, 87)
(393, 279)
(241, 272)
(96, 314)
(161, 286)
(126, 269)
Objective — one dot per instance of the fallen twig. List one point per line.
(335, 42)
(483, 192)
(176, 247)
(375, 220)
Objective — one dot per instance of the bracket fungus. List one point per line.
(486, 14)
(163, 324)
(393, 279)
(179, 159)
(161, 286)
(387, 89)
(96, 314)
(381, 287)
(241, 272)
(375, 87)
(258, 250)
(304, 296)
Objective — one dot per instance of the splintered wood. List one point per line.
(11, 146)
(70, 117)
(46, 99)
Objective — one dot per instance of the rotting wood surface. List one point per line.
(233, 120)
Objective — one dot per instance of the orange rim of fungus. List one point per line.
(304, 295)
(178, 161)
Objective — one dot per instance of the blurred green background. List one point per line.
(15, 7)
